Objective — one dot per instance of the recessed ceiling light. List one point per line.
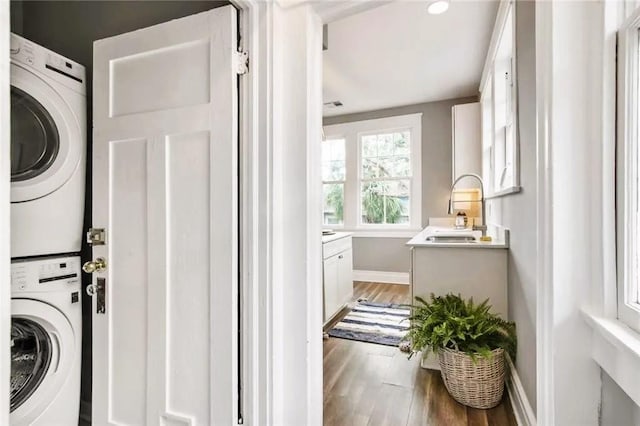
(437, 7)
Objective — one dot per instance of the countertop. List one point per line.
(420, 240)
(336, 236)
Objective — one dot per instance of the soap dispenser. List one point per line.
(461, 220)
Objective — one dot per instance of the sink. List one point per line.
(448, 239)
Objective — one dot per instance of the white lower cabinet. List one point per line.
(480, 273)
(337, 275)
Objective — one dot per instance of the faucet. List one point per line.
(483, 226)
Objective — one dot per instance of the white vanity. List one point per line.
(474, 269)
(337, 272)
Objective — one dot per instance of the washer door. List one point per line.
(45, 135)
(42, 351)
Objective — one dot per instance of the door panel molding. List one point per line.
(166, 190)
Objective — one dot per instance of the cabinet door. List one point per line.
(466, 147)
(330, 282)
(345, 276)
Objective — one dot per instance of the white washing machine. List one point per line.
(48, 150)
(46, 337)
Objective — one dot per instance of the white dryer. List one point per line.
(46, 337)
(48, 151)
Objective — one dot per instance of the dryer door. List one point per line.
(42, 351)
(45, 137)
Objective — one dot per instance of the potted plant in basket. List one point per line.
(470, 343)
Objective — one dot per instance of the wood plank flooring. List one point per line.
(368, 384)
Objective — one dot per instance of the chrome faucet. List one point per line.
(483, 226)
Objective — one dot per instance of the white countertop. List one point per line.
(336, 236)
(420, 240)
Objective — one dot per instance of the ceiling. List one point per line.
(398, 54)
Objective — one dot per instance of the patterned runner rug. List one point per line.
(381, 323)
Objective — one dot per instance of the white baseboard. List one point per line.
(522, 410)
(381, 277)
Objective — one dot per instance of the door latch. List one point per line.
(96, 236)
(99, 289)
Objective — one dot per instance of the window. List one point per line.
(371, 173)
(498, 101)
(333, 177)
(385, 178)
(628, 161)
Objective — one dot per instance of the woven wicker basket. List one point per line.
(479, 384)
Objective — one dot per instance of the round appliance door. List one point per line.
(42, 350)
(45, 137)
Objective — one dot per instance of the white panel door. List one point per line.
(165, 189)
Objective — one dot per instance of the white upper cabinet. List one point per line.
(466, 143)
(498, 100)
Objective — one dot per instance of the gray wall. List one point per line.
(390, 254)
(518, 211)
(16, 16)
(617, 409)
(70, 28)
(381, 254)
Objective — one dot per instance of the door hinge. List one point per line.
(96, 237)
(241, 59)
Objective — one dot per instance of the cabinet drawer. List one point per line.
(337, 246)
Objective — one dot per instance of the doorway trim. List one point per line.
(5, 199)
(544, 241)
(281, 105)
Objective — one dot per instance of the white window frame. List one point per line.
(627, 186)
(353, 132)
(509, 175)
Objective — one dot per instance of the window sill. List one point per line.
(616, 347)
(502, 193)
(383, 233)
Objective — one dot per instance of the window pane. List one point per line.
(333, 206)
(385, 202)
(386, 155)
(333, 160)
(401, 143)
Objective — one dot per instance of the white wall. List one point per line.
(569, 55)
(617, 408)
(518, 211)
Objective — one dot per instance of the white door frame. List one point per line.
(544, 215)
(281, 249)
(5, 227)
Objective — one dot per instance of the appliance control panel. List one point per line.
(51, 64)
(45, 274)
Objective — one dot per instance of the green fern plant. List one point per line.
(452, 322)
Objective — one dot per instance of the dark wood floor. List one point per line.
(368, 384)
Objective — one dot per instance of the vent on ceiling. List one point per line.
(332, 104)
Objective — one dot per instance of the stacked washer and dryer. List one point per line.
(48, 145)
